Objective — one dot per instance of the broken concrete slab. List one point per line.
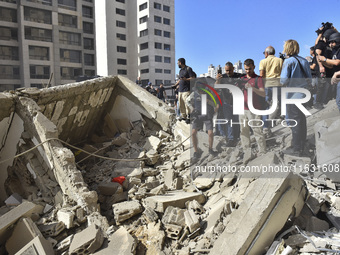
(25, 209)
(173, 198)
(121, 242)
(39, 245)
(52, 229)
(64, 244)
(87, 241)
(14, 199)
(174, 215)
(191, 220)
(66, 216)
(152, 142)
(314, 224)
(24, 232)
(263, 213)
(125, 210)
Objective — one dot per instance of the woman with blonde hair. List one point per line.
(295, 73)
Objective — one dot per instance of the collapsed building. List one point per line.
(102, 167)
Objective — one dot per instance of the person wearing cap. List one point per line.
(323, 50)
(334, 62)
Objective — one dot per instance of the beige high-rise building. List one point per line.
(141, 39)
(44, 41)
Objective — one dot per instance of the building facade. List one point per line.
(46, 42)
(141, 40)
(212, 70)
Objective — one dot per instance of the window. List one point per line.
(121, 1)
(157, 6)
(68, 4)
(167, 60)
(144, 59)
(39, 72)
(166, 8)
(88, 28)
(166, 21)
(121, 61)
(89, 59)
(158, 32)
(167, 82)
(158, 58)
(120, 11)
(36, 15)
(158, 45)
(144, 71)
(71, 56)
(8, 34)
(158, 82)
(9, 15)
(39, 53)
(67, 20)
(9, 72)
(143, 33)
(70, 73)
(168, 71)
(36, 85)
(143, 19)
(143, 46)
(121, 37)
(9, 53)
(69, 38)
(87, 12)
(88, 44)
(121, 49)
(143, 6)
(166, 46)
(157, 70)
(120, 24)
(38, 34)
(166, 34)
(158, 19)
(122, 71)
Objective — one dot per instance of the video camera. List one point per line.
(282, 56)
(325, 27)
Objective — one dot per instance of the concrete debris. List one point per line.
(66, 216)
(125, 210)
(24, 232)
(283, 197)
(87, 241)
(121, 242)
(14, 199)
(173, 198)
(56, 200)
(52, 229)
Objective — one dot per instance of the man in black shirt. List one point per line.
(233, 131)
(322, 50)
(185, 75)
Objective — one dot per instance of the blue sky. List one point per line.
(217, 31)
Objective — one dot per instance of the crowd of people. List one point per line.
(321, 76)
(159, 92)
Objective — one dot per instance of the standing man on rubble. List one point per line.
(270, 70)
(185, 75)
(251, 80)
(229, 77)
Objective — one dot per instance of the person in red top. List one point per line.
(256, 82)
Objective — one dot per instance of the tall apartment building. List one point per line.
(141, 39)
(40, 39)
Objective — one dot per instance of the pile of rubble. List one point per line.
(153, 200)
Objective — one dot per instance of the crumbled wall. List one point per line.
(11, 127)
(71, 113)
